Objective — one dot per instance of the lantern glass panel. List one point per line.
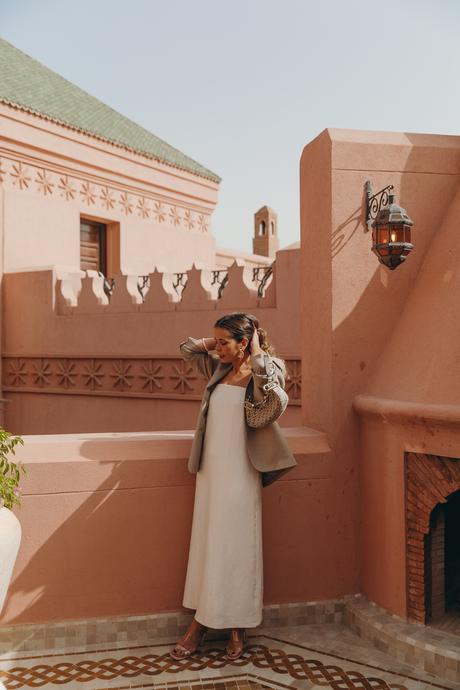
(397, 233)
(383, 234)
(406, 232)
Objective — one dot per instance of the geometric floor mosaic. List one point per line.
(311, 656)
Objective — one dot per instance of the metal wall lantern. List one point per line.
(391, 227)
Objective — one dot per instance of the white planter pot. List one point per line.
(10, 538)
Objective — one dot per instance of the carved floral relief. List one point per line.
(73, 188)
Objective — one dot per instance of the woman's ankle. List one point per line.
(194, 630)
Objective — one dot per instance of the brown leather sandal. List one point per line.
(180, 651)
(235, 647)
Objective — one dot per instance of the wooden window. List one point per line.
(93, 246)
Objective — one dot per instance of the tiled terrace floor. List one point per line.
(327, 655)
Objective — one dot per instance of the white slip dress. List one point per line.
(224, 580)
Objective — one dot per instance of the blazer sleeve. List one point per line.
(270, 368)
(192, 349)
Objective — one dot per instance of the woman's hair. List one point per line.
(240, 324)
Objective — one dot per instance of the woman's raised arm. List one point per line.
(194, 349)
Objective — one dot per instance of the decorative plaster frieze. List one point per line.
(174, 215)
(44, 183)
(68, 191)
(88, 193)
(20, 176)
(189, 220)
(94, 195)
(140, 377)
(143, 208)
(159, 211)
(107, 198)
(293, 384)
(125, 203)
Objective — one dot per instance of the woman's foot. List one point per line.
(190, 641)
(235, 646)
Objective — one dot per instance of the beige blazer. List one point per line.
(267, 448)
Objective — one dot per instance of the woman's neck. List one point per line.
(239, 364)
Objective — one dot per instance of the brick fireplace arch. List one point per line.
(429, 480)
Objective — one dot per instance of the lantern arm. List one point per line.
(375, 201)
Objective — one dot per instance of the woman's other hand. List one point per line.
(255, 344)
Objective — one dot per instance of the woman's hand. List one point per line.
(255, 344)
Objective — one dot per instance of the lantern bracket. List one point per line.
(376, 201)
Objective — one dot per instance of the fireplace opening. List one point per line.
(442, 562)
(452, 552)
(432, 491)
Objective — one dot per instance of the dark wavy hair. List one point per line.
(241, 324)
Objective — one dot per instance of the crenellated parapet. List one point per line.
(199, 288)
(72, 338)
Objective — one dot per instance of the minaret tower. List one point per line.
(265, 241)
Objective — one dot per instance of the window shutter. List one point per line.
(92, 246)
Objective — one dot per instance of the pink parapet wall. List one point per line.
(106, 524)
(366, 329)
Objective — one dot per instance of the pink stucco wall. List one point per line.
(411, 402)
(41, 222)
(366, 329)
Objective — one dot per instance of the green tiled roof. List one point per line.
(29, 85)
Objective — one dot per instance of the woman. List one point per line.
(224, 581)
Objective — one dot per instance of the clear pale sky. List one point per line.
(243, 85)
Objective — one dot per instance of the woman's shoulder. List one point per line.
(278, 361)
(282, 365)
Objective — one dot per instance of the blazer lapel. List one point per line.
(222, 369)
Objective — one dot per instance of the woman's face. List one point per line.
(226, 346)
